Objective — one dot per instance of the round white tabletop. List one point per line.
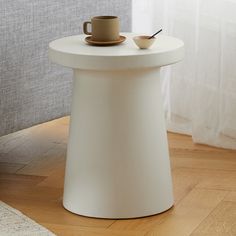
(74, 52)
(117, 160)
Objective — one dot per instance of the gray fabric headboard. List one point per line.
(32, 90)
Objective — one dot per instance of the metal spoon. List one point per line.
(155, 34)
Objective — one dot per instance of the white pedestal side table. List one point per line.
(117, 160)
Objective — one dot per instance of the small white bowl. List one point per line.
(143, 41)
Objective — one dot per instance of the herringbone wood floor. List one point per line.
(32, 168)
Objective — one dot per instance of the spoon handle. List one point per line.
(155, 34)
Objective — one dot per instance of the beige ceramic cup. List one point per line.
(103, 28)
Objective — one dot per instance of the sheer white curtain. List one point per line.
(200, 92)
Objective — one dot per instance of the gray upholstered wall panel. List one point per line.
(32, 90)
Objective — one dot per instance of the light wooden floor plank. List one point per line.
(220, 222)
(231, 196)
(48, 162)
(33, 143)
(184, 142)
(189, 213)
(56, 177)
(10, 168)
(221, 180)
(203, 159)
(14, 180)
(65, 230)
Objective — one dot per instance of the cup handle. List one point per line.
(85, 27)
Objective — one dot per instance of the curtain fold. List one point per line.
(200, 92)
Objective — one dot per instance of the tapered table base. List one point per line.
(117, 161)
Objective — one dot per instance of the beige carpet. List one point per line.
(14, 223)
